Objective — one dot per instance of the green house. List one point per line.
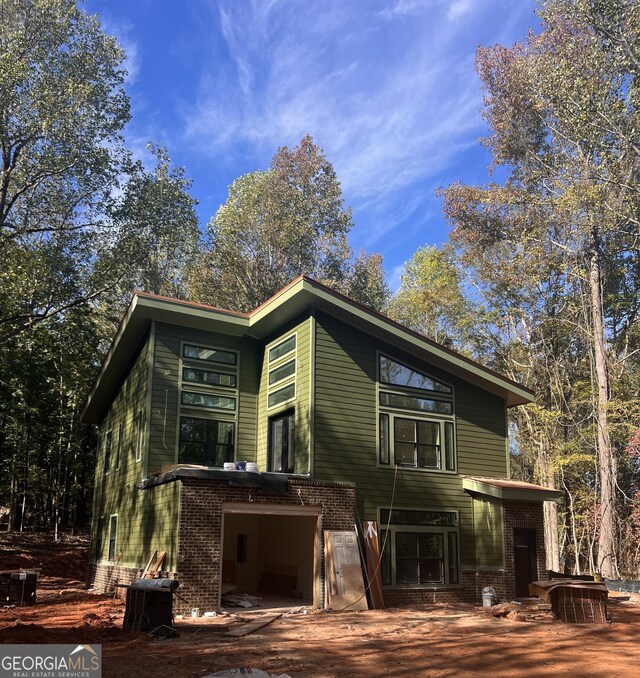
(342, 416)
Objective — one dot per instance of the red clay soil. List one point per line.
(433, 640)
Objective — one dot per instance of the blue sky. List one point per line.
(386, 88)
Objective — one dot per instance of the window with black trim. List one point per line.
(282, 443)
(416, 427)
(207, 442)
(119, 445)
(108, 443)
(420, 547)
(113, 535)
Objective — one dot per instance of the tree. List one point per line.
(155, 234)
(431, 300)
(278, 224)
(62, 109)
(564, 119)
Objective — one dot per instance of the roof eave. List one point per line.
(474, 486)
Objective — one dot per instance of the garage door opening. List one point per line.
(271, 553)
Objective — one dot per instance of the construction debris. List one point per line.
(252, 626)
(240, 600)
(526, 610)
(248, 671)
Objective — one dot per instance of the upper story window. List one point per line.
(208, 405)
(281, 386)
(282, 443)
(416, 424)
(108, 444)
(282, 348)
(397, 374)
(211, 355)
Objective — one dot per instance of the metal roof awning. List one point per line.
(505, 488)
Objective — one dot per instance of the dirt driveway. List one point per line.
(433, 640)
(430, 640)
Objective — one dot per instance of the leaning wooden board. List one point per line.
(252, 626)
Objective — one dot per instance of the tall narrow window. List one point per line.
(116, 463)
(108, 442)
(113, 532)
(282, 443)
(139, 434)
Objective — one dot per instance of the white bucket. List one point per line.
(229, 466)
(252, 467)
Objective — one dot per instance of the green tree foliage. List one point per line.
(432, 301)
(554, 245)
(279, 224)
(62, 108)
(81, 227)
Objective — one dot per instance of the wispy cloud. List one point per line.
(391, 100)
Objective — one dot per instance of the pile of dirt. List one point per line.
(19, 632)
(67, 557)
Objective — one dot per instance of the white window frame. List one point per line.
(140, 424)
(285, 382)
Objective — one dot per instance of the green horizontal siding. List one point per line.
(345, 439)
(302, 327)
(165, 407)
(488, 525)
(147, 520)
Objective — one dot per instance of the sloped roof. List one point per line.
(505, 488)
(299, 295)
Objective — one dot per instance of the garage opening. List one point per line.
(271, 553)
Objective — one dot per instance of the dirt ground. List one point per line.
(430, 640)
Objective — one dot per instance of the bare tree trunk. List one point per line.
(607, 462)
(550, 511)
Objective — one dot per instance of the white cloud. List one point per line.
(392, 102)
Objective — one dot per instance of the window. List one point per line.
(282, 395)
(108, 441)
(139, 434)
(119, 444)
(281, 386)
(282, 348)
(282, 372)
(113, 530)
(416, 425)
(211, 355)
(420, 547)
(207, 442)
(282, 443)
(207, 437)
(397, 374)
(211, 400)
(208, 378)
(99, 538)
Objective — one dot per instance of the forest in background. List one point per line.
(540, 278)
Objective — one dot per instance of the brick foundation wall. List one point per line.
(103, 577)
(199, 540)
(526, 514)
(516, 514)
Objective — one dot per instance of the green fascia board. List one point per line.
(533, 493)
(301, 294)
